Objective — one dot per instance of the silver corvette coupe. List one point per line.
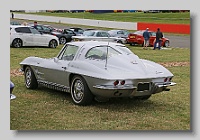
(97, 70)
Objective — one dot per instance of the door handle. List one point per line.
(64, 68)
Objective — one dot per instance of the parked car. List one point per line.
(69, 32)
(14, 23)
(63, 38)
(137, 38)
(97, 70)
(119, 33)
(12, 96)
(28, 36)
(98, 35)
(78, 31)
(53, 28)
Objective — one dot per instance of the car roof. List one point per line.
(90, 44)
(16, 26)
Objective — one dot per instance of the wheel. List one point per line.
(81, 94)
(53, 44)
(166, 44)
(30, 80)
(146, 97)
(62, 40)
(17, 43)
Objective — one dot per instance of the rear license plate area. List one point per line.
(143, 87)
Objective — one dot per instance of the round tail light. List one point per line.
(165, 80)
(123, 82)
(116, 83)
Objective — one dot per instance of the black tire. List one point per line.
(30, 80)
(17, 43)
(62, 40)
(53, 44)
(81, 94)
(166, 44)
(146, 97)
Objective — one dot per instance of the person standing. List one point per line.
(159, 36)
(146, 36)
(12, 15)
(35, 24)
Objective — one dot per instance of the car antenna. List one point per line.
(107, 55)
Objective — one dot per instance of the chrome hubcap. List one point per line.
(78, 90)
(62, 40)
(28, 77)
(17, 43)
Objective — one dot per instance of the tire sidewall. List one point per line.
(54, 42)
(87, 95)
(61, 42)
(33, 82)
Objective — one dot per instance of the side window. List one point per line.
(69, 53)
(68, 32)
(34, 31)
(39, 27)
(120, 32)
(46, 29)
(104, 34)
(98, 34)
(22, 30)
(153, 34)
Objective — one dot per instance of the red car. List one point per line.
(137, 38)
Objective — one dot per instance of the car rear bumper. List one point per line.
(130, 90)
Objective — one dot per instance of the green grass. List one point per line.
(45, 109)
(175, 18)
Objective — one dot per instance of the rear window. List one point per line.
(101, 52)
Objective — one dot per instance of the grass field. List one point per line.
(45, 109)
(176, 18)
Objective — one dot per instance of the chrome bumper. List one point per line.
(129, 90)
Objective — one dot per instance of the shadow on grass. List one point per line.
(114, 104)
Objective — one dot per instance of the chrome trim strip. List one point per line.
(165, 84)
(54, 86)
(128, 87)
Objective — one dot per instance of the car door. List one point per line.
(25, 34)
(56, 71)
(39, 39)
(152, 38)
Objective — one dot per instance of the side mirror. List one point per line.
(55, 59)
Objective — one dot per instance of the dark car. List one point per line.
(137, 38)
(77, 30)
(69, 32)
(63, 38)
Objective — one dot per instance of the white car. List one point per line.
(98, 35)
(21, 35)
